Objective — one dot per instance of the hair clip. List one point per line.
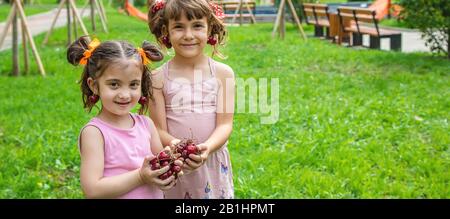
(158, 6)
(217, 10)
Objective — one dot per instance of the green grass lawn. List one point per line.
(353, 123)
(394, 23)
(37, 7)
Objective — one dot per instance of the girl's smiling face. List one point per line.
(119, 87)
(188, 37)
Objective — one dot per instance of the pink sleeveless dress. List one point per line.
(125, 150)
(192, 107)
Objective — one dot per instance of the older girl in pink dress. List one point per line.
(194, 95)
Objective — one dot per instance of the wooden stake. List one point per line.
(17, 10)
(84, 7)
(251, 13)
(102, 19)
(60, 6)
(280, 19)
(294, 13)
(92, 15)
(11, 16)
(30, 38)
(25, 50)
(77, 16)
(277, 19)
(101, 12)
(239, 10)
(235, 14)
(102, 9)
(69, 23)
(75, 31)
(240, 13)
(15, 44)
(282, 28)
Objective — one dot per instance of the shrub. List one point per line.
(432, 17)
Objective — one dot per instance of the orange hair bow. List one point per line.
(87, 54)
(144, 57)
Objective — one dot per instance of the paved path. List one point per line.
(39, 23)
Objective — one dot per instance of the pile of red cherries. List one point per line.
(168, 156)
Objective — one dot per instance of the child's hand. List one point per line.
(195, 161)
(151, 177)
(173, 143)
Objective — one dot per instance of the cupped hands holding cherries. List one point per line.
(152, 173)
(180, 153)
(167, 158)
(194, 155)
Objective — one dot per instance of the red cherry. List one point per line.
(184, 154)
(93, 98)
(176, 169)
(153, 161)
(163, 176)
(164, 163)
(191, 149)
(155, 166)
(143, 100)
(212, 41)
(163, 155)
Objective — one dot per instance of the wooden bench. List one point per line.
(248, 9)
(363, 21)
(317, 14)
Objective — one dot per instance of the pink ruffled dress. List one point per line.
(192, 107)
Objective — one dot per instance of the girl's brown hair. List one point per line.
(104, 55)
(158, 22)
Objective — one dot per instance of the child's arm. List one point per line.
(155, 143)
(224, 117)
(158, 109)
(93, 184)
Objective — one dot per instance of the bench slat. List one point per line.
(315, 10)
(359, 11)
(320, 22)
(317, 6)
(318, 14)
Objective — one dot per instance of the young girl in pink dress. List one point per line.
(194, 95)
(116, 145)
